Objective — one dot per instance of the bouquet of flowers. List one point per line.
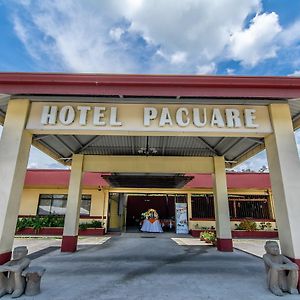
(150, 214)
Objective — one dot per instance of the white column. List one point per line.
(70, 234)
(14, 152)
(284, 168)
(223, 230)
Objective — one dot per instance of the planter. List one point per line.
(42, 231)
(240, 234)
(59, 231)
(92, 231)
(257, 234)
(196, 232)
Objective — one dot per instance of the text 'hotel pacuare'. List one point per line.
(141, 117)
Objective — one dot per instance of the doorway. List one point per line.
(163, 204)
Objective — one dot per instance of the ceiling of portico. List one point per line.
(66, 145)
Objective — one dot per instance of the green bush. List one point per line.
(39, 222)
(208, 236)
(246, 225)
(93, 224)
(84, 226)
(96, 224)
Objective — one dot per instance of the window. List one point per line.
(203, 206)
(55, 204)
(240, 206)
(249, 206)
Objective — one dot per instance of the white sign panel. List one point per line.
(181, 218)
(132, 118)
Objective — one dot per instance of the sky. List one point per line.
(215, 37)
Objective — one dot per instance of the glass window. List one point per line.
(44, 207)
(55, 204)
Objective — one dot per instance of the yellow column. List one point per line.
(284, 168)
(105, 207)
(223, 230)
(70, 235)
(14, 152)
(189, 206)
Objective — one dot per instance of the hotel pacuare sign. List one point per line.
(153, 119)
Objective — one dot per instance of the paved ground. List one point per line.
(252, 246)
(147, 266)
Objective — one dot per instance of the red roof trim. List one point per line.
(149, 85)
(60, 179)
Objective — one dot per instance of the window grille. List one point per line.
(203, 206)
(240, 206)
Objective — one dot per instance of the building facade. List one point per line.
(249, 198)
(142, 129)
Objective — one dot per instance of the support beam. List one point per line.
(239, 140)
(58, 139)
(284, 168)
(147, 164)
(70, 235)
(223, 230)
(211, 148)
(14, 152)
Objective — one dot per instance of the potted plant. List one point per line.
(209, 237)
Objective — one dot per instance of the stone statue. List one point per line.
(282, 273)
(14, 283)
(33, 280)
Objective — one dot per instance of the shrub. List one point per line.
(37, 224)
(96, 224)
(84, 226)
(208, 236)
(246, 225)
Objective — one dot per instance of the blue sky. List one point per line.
(240, 37)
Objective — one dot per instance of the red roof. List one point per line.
(60, 178)
(150, 85)
(234, 181)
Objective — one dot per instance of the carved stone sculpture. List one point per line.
(33, 280)
(11, 279)
(282, 273)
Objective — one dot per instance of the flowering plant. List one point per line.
(150, 214)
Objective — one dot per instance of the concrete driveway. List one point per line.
(146, 266)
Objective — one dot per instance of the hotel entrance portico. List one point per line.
(165, 125)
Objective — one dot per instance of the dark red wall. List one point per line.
(137, 205)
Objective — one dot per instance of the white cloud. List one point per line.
(230, 71)
(116, 33)
(207, 69)
(296, 73)
(256, 43)
(200, 28)
(78, 34)
(291, 34)
(178, 57)
(147, 36)
(39, 160)
(74, 34)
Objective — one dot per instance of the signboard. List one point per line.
(181, 218)
(104, 118)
